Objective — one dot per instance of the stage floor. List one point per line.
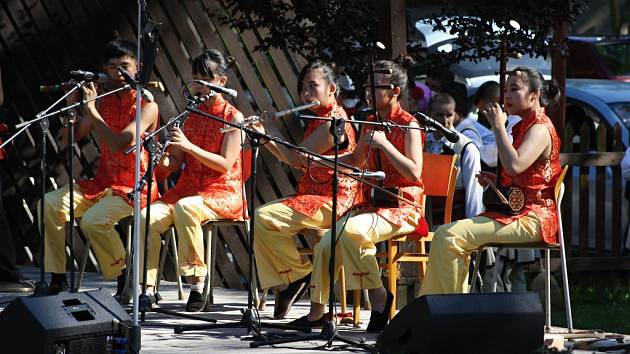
(158, 335)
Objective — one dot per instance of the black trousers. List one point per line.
(8, 270)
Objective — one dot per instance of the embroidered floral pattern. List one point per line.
(311, 196)
(222, 192)
(115, 169)
(538, 181)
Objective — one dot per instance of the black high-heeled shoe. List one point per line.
(378, 320)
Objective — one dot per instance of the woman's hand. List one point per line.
(89, 94)
(485, 178)
(377, 138)
(180, 140)
(495, 115)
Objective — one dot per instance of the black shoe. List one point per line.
(378, 320)
(196, 302)
(57, 286)
(287, 297)
(58, 283)
(303, 322)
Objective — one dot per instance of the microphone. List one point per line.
(377, 175)
(88, 76)
(216, 88)
(450, 135)
(146, 94)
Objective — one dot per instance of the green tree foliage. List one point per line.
(480, 24)
(336, 30)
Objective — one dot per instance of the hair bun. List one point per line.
(404, 60)
(551, 92)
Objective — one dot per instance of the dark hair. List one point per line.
(444, 76)
(119, 48)
(488, 91)
(533, 79)
(211, 62)
(398, 66)
(441, 98)
(327, 71)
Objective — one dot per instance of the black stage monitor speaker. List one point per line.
(86, 322)
(485, 323)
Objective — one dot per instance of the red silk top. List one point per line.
(115, 169)
(312, 195)
(411, 190)
(538, 181)
(222, 192)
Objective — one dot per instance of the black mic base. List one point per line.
(329, 334)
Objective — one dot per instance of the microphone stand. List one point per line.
(41, 287)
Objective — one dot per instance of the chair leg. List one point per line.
(180, 287)
(476, 271)
(495, 273)
(163, 253)
(565, 276)
(547, 291)
(125, 296)
(356, 308)
(393, 274)
(342, 291)
(210, 241)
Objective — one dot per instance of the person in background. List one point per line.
(348, 98)
(442, 109)
(10, 277)
(487, 93)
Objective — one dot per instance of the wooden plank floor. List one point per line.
(158, 335)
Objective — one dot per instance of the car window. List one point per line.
(579, 115)
(616, 57)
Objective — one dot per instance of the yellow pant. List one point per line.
(447, 270)
(98, 218)
(277, 258)
(188, 215)
(356, 251)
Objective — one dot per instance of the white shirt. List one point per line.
(489, 150)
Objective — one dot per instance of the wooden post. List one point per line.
(559, 72)
(392, 27)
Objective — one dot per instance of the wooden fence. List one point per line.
(42, 40)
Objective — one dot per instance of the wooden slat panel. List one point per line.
(584, 193)
(587, 158)
(600, 196)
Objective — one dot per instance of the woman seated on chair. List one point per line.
(276, 223)
(400, 155)
(210, 186)
(530, 163)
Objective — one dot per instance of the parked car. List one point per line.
(599, 58)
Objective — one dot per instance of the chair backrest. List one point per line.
(558, 187)
(439, 176)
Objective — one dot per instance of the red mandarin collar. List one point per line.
(324, 110)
